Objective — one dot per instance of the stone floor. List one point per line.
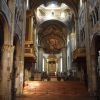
(53, 90)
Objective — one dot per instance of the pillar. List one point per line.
(64, 60)
(90, 65)
(19, 76)
(7, 62)
(40, 59)
(59, 64)
(77, 31)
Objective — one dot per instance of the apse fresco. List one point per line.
(52, 38)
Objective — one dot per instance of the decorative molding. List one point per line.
(8, 48)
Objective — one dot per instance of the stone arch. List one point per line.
(97, 13)
(6, 28)
(17, 45)
(94, 17)
(47, 23)
(94, 48)
(52, 33)
(16, 65)
(92, 42)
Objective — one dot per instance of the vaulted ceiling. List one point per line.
(52, 34)
(71, 3)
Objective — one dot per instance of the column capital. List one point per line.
(8, 48)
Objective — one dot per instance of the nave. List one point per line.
(55, 90)
(45, 39)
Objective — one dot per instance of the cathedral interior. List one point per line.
(49, 49)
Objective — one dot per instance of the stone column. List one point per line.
(77, 31)
(19, 76)
(40, 59)
(90, 70)
(7, 63)
(99, 63)
(56, 66)
(47, 66)
(64, 59)
(21, 61)
(93, 68)
(59, 64)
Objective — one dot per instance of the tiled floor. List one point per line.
(42, 90)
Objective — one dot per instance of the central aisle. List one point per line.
(54, 90)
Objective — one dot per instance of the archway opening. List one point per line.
(97, 61)
(1, 42)
(15, 66)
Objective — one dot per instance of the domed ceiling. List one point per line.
(52, 36)
(71, 3)
(52, 33)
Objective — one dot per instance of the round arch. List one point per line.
(5, 28)
(56, 22)
(52, 30)
(71, 3)
(45, 24)
(94, 53)
(16, 65)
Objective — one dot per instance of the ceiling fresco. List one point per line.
(52, 36)
(52, 33)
